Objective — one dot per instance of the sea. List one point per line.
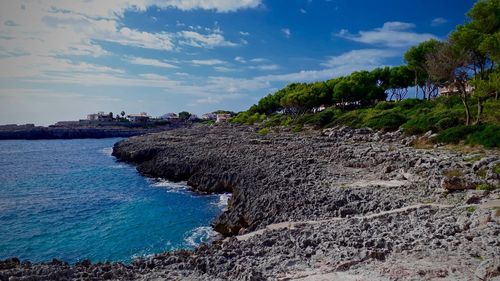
(72, 200)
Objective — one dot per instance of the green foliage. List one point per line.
(384, 105)
(486, 135)
(484, 186)
(456, 134)
(247, 118)
(471, 209)
(390, 121)
(263, 131)
(496, 169)
(184, 115)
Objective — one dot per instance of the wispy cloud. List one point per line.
(286, 32)
(208, 62)
(438, 21)
(361, 58)
(195, 39)
(265, 67)
(149, 62)
(391, 34)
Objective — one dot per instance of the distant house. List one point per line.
(319, 108)
(451, 90)
(100, 116)
(209, 116)
(222, 117)
(143, 117)
(169, 116)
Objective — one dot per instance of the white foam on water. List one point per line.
(119, 166)
(201, 234)
(106, 151)
(170, 186)
(223, 201)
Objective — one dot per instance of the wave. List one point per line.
(223, 201)
(106, 151)
(202, 234)
(170, 186)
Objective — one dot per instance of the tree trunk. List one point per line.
(479, 111)
(416, 85)
(467, 110)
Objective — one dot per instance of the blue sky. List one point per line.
(60, 60)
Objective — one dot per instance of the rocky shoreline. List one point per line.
(341, 204)
(25, 132)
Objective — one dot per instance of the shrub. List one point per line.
(456, 134)
(447, 122)
(471, 209)
(411, 103)
(390, 121)
(384, 105)
(418, 125)
(484, 186)
(263, 131)
(486, 135)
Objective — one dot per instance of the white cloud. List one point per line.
(286, 32)
(303, 11)
(225, 69)
(265, 67)
(196, 39)
(438, 21)
(391, 34)
(257, 60)
(208, 62)
(361, 58)
(240, 59)
(244, 33)
(149, 62)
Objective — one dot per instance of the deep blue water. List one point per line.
(70, 199)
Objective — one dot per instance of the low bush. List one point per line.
(455, 134)
(390, 121)
(263, 131)
(485, 135)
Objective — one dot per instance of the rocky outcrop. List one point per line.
(345, 204)
(78, 132)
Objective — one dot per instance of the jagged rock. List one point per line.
(346, 200)
(456, 183)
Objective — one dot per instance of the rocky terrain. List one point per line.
(341, 204)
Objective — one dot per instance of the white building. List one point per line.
(222, 117)
(143, 117)
(451, 90)
(99, 116)
(209, 116)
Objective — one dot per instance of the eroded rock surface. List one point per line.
(339, 204)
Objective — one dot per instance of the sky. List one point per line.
(62, 59)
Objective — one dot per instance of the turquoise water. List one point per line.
(70, 199)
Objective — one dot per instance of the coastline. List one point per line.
(343, 203)
(24, 132)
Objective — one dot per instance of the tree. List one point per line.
(416, 58)
(480, 40)
(400, 78)
(184, 115)
(448, 66)
(485, 88)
